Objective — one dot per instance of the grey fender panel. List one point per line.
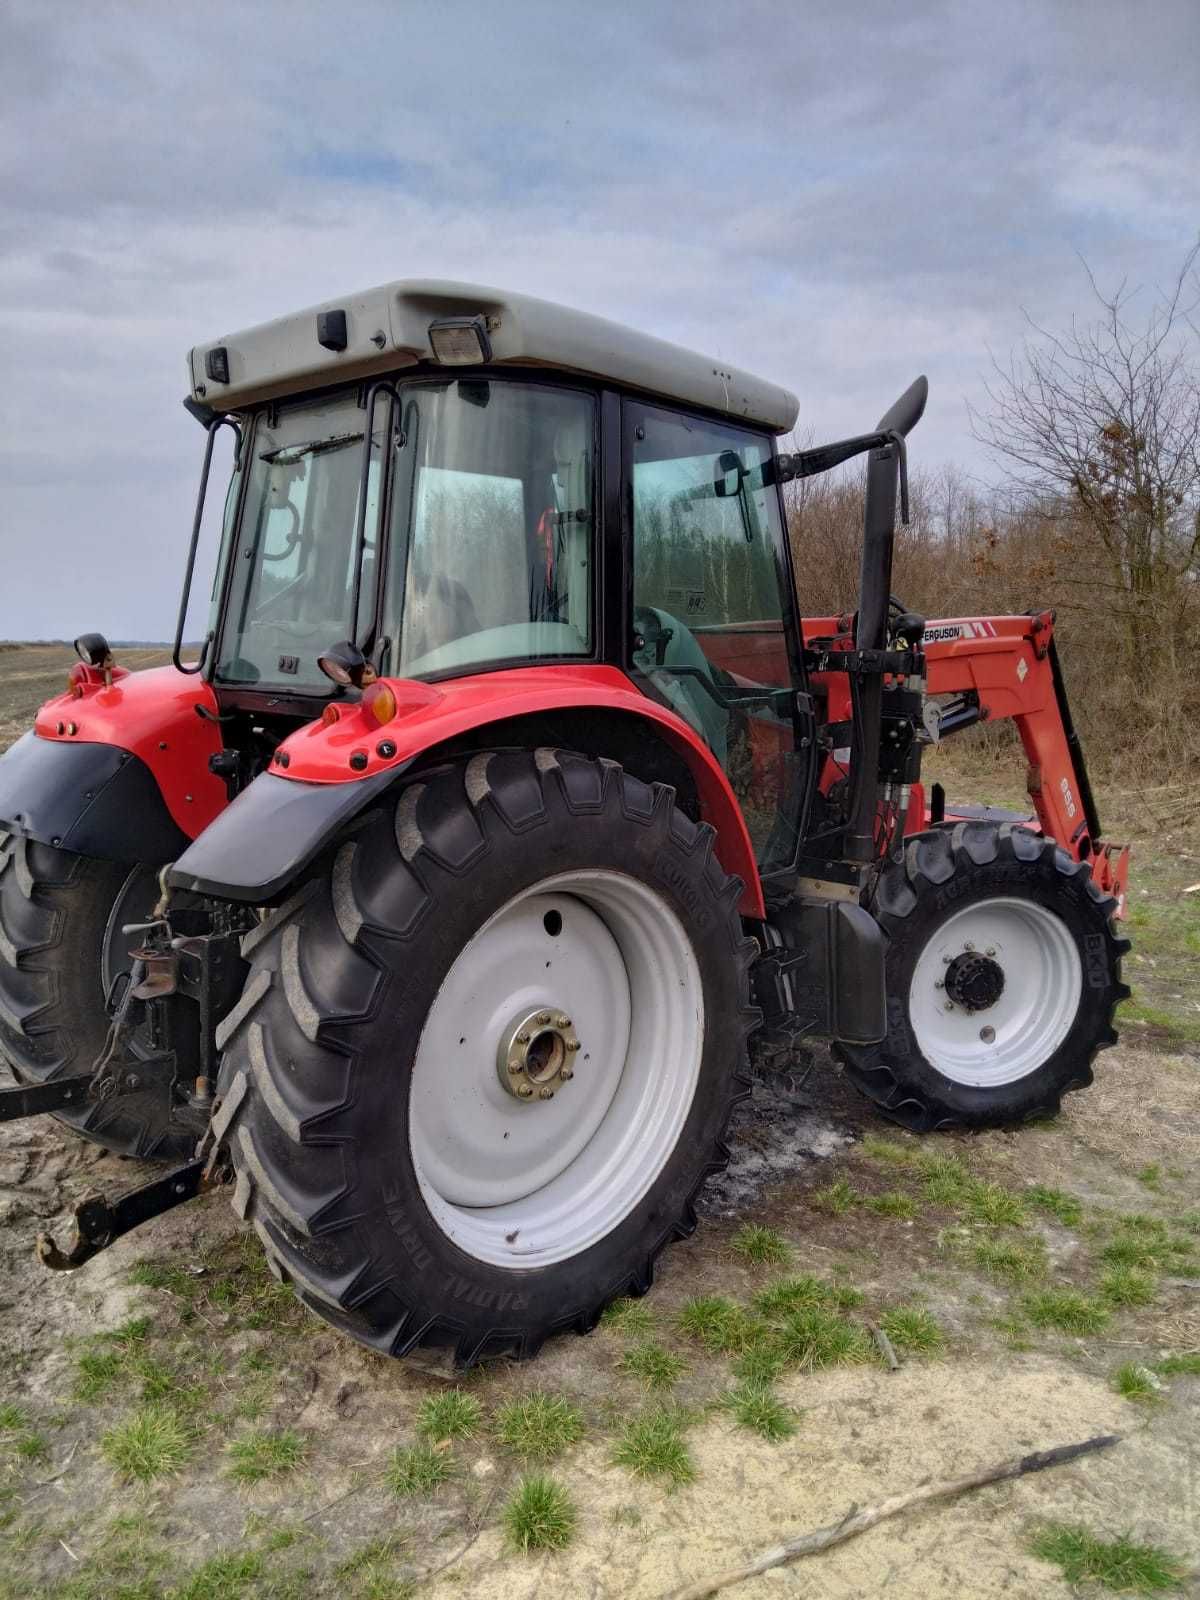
(95, 799)
(269, 834)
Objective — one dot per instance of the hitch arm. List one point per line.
(31, 1099)
(97, 1223)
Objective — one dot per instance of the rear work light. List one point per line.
(460, 341)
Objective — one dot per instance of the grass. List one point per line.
(761, 1246)
(1151, 1176)
(657, 1367)
(753, 1406)
(539, 1516)
(1184, 1366)
(945, 1180)
(1128, 1286)
(628, 1316)
(913, 1329)
(887, 1151)
(836, 1198)
(796, 1293)
(718, 1323)
(1119, 1564)
(760, 1365)
(994, 1204)
(152, 1442)
(1005, 1259)
(653, 1446)
(1065, 1309)
(12, 1418)
(539, 1426)
(1055, 1203)
(370, 1569)
(1135, 1382)
(266, 1455)
(415, 1471)
(221, 1577)
(453, 1415)
(891, 1204)
(817, 1336)
(1145, 1242)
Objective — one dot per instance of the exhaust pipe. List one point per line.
(875, 587)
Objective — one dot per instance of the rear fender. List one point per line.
(326, 773)
(117, 771)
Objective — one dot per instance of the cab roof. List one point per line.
(388, 328)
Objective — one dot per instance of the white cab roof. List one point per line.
(388, 328)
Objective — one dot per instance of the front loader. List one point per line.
(432, 904)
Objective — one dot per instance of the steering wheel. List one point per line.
(290, 539)
(651, 633)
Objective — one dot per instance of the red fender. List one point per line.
(356, 744)
(153, 715)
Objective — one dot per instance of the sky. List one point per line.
(835, 197)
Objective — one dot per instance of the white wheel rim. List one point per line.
(1024, 1026)
(524, 1184)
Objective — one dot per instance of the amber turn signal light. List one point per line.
(380, 702)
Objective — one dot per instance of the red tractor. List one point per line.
(434, 904)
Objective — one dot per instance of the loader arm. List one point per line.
(1007, 667)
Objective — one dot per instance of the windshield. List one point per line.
(490, 555)
(292, 587)
(489, 552)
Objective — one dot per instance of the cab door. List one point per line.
(714, 631)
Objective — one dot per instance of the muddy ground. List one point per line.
(241, 1359)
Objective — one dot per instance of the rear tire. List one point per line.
(384, 1163)
(57, 934)
(992, 931)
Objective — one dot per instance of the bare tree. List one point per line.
(1099, 426)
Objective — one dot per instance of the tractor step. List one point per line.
(32, 1099)
(97, 1222)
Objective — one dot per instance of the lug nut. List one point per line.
(545, 1094)
(938, 984)
(525, 1090)
(991, 950)
(566, 1072)
(562, 1022)
(522, 1038)
(514, 1067)
(572, 1044)
(544, 1019)
(949, 1006)
(968, 945)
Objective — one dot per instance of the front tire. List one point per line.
(485, 1058)
(1003, 974)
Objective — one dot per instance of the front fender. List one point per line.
(326, 773)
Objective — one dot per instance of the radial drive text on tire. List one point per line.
(1003, 972)
(486, 1056)
(61, 945)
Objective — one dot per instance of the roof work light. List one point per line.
(460, 341)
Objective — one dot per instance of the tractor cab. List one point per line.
(495, 504)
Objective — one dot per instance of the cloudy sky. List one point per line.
(835, 196)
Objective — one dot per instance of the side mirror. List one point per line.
(731, 471)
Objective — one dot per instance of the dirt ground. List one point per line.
(182, 1319)
(863, 1433)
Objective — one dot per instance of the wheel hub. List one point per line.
(537, 1054)
(974, 981)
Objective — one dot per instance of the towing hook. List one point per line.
(97, 1222)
